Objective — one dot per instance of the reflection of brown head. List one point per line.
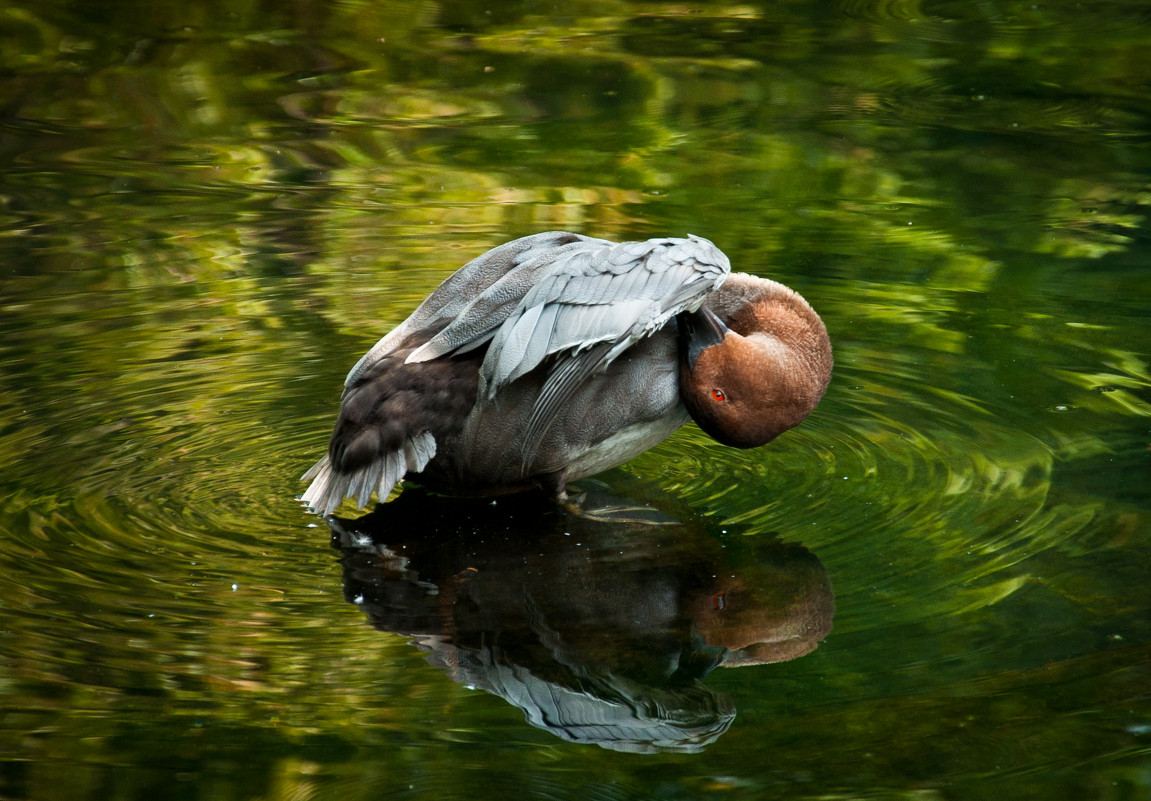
(772, 613)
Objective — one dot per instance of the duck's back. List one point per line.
(468, 291)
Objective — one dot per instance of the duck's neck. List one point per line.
(752, 306)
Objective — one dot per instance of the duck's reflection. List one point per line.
(600, 632)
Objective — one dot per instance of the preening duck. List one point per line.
(556, 356)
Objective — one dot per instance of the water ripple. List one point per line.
(889, 477)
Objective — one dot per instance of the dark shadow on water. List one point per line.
(600, 632)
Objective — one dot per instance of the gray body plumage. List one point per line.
(579, 372)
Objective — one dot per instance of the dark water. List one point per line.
(208, 211)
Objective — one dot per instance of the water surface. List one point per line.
(934, 588)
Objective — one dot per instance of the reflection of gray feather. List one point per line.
(608, 710)
(636, 719)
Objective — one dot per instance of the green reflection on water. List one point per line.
(208, 211)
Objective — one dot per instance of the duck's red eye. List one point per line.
(718, 396)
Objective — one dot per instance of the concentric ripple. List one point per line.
(926, 502)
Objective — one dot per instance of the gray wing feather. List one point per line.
(328, 489)
(556, 390)
(607, 293)
(675, 281)
(504, 298)
(419, 452)
(537, 333)
(516, 340)
(605, 301)
(457, 293)
(585, 274)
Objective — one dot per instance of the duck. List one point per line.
(556, 356)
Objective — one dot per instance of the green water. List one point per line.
(209, 210)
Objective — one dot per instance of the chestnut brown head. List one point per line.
(748, 379)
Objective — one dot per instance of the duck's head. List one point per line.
(748, 379)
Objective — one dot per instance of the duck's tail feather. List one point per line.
(330, 486)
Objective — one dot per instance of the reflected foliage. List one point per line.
(208, 210)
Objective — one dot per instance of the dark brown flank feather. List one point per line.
(392, 402)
